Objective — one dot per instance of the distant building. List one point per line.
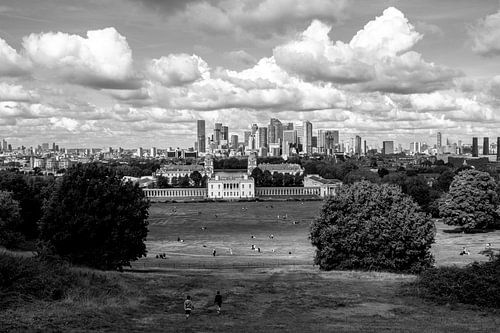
(486, 146)
(307, 137)
(388, 147)
(438, 140)
(200, 135)
(357, 145)
(475, 148)
(235, 187)
(283, 168)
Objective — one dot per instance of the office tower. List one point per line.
(53, 146)
(364, 148)
(498, 149)
(275, 131)
(357, 145)
(327, 141)
(415, 147)
(234, 141)
(300, 134)
(225, 133)
(261, 138)
(388, 147)
(314, 142)
(288, 127)
(4, 145)
(200, 136)
(307, 144)
(438, 137)
(475, 149)
(254, 128)
(486, 146)
(153, 152)
(246, 136)
(139, 152)
(290, 136)
(217, 133)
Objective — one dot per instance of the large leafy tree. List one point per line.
(10, 221)
(471, 201)
(372, 227)
(95, 219)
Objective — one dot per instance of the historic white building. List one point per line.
(238, 186)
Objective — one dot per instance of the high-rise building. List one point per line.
(498, 149)
(357, 145)
(225, 133)
(246, 136)
(290, 136)
(139, 152)
(300, 134)
(275, 131)
(5, 146)
(200, 136)
(364, 148)
(314, 141)
(328, 140)
(234, 141)
(217, 133)
(486, 146)
(438, 139)
(261, 138)
(288, 127)
(388, 147)
(475, 148)
(153, 152)
(307, 144)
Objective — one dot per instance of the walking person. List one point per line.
(188, 306)
(218, 301)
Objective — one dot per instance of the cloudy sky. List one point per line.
(135, 73)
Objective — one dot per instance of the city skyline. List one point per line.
(141, 73)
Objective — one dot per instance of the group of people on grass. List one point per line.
(189, 306)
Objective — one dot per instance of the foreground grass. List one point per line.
(285, 299)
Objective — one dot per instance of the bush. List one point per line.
(95, 219)
(30, 278)
(372, 227)
(477, 284)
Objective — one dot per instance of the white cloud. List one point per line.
(11, 63)
(9, 92)
(378, 57)
(178, 69)
(103, 59)
(485, 35)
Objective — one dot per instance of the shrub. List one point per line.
(372, 227)
(471, 201)
(477, 284)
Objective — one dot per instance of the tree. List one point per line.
(184, 181)
(277, 179)
(195, 176)
(162, 182)
(95, 219)
(174, 181)
(471, 201)
(288, 180)
(372, 226)
(383, 172)
(257, 175)
(359, 175)
(267, 179)
(10, 221)
(298, 179)
(444, 180)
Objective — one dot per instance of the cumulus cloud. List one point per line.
(103, 59)
(9, 92)
(378, 57)
(485, 35)
(11, 63)
(177, 69)
(262, 18)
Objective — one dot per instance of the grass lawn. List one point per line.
(282, 293)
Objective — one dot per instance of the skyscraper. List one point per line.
(261, 138)
(234, 141)
(217, 133)
(307, 144)
(486, 146)
(388, 147)
(225, 133)
(357, 145)
(200, 135)
(275, 131)
(475, 148)
(498, 149)
(327, 141)
(246, 136)
(438, 140)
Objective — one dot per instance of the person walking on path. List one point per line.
(188, 306)
(218, 301)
